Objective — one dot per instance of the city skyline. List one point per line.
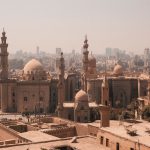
(52, 24)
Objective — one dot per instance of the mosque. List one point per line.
(75, 96)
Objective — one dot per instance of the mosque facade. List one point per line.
(73, 95)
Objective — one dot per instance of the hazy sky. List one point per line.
(63, 23)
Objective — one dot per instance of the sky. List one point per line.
(49, 24)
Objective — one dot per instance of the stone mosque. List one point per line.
(75, 96)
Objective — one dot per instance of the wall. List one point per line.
(62, 132)
(124, 144)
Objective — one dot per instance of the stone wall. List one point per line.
(112, 141)
(62, 132)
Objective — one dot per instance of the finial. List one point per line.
(3, 33)
(86, 37)
(85, 43)
(86, 40)
(61, 54)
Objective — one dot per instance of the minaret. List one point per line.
(85, 64)
(4, 57)
(85, 55)
(61, 86)
(4, 73)
(104, 108)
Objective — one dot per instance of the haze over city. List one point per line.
(54, 23)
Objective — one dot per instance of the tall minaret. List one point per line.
(3, 57)
(61, 86)
(4, 73)
(85, 64)
(85, 55)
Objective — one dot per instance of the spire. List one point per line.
(85, 46)
(3, 38)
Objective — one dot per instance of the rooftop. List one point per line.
(37, 136)
(85, 142)
(118, 128)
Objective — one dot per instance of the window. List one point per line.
(13, 93)
(82, 108)
(107, 142)
(78, 119)
(102, 139)
(85, 118)
(41, 98)
(117, 146)
(69, 116)
(25, 99)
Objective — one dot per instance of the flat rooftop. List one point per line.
(83, 143)
(37, 136)
(117, 128)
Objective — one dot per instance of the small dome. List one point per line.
(33, 65)
(118, 70)
(81, 96)
(92, 61)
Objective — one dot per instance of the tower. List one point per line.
(61, 86)
(104, 108)
(85, 64)
(4, 73)
(85, 55)
(4, 57)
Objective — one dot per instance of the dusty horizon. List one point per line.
(51, 24)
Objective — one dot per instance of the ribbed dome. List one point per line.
(92, 61)
(118, 70)
(81, 96)
(33, 65)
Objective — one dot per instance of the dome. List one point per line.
(81, 96)
(33, 65)
(92, 61)
(118, 70)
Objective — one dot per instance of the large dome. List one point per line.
(32, 66)
(118, 70)
(81, 96)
